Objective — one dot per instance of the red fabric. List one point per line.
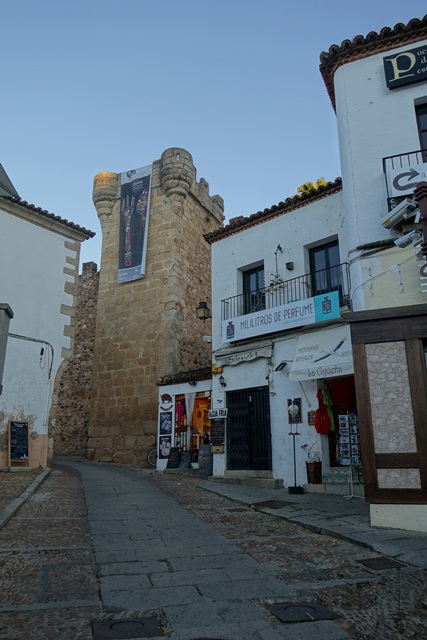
(322, 422)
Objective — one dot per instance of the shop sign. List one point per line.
(323, 354)
(243, 356)
(217, 413)
(286, 316)
(406, 67)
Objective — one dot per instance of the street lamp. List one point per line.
(203, 311)
(293, 410)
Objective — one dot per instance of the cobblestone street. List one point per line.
(388, 604)
(50, 588)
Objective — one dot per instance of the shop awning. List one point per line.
(323, 354)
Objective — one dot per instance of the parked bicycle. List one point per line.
(152, 457)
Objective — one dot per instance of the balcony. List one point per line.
(285, 292)
(402, 174)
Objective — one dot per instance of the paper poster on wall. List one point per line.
(134, 214)
(165, 446)
(165, 421)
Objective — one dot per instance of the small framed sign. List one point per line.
(298, 417)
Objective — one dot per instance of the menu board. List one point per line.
(18, 441)
(185, 461)
(217, 431)
(174, 458)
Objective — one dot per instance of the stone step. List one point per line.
(265, 483)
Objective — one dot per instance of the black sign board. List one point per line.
(174, 458)
(18, 441)
(217, 431)
(185, 461)
(406, 67)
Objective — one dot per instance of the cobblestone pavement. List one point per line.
(13, 484)
(49, 587)
(389, 604)
(49, 584)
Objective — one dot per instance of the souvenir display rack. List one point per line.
(349, 451)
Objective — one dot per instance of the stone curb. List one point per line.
(306, 525)
(13, 507)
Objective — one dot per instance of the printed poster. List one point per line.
(134, 215)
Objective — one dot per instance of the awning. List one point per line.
(323, 354)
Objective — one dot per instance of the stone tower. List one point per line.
(148, 328)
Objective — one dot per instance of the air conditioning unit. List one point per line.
(405, 209)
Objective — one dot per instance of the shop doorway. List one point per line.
(344, 437)
(248, 429)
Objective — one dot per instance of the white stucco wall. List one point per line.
(296, 232)
(32, 263)
(374, 122)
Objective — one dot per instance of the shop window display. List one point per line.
(192, 427)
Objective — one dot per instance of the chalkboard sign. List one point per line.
(174, 458)
(184, 463)
(217, 431)
(18, 441)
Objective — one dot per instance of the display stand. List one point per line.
(349, 452)
(353, 478)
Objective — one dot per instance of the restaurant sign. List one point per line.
(286, 316)
(406, 67)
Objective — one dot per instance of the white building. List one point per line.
(272, 271)
(39, 264)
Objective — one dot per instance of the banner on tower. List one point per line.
(134, 215)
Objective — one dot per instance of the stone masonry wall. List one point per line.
(70, 427)
(392, 415)
(148, 328)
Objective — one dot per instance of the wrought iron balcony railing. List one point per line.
(284, 292)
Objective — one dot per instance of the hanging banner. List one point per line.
(134, 214)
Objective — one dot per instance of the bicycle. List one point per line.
(152, 457)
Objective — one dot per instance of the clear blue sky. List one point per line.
(102, 85)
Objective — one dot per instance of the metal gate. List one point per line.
(248, 429)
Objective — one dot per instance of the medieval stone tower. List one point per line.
(147, 328)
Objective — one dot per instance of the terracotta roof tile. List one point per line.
(186, 376)
(290, 204)
(364, 46)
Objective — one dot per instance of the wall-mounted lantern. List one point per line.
(203, 312)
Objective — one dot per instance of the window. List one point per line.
(253, 289)
(421, 113)
(325, 269)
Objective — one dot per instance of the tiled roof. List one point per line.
(363, 46)
(52, 216)
(186, 376)
(290, 204)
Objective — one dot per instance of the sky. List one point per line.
(102, 85)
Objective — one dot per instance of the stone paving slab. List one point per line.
(253, 549)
